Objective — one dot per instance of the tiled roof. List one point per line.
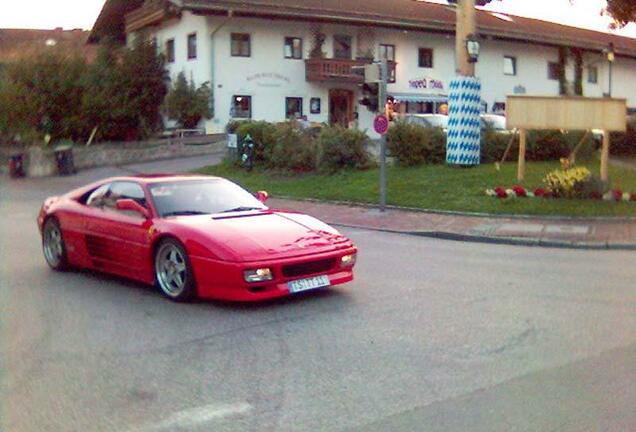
(19, 43)
(411, 14)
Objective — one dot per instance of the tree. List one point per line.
(124, 91)
(186, 103)
(41, 94)
(622, 11)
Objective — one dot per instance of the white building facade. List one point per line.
(260, 65)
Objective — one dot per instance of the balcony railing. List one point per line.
(338, 70)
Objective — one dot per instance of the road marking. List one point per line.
(196, 416)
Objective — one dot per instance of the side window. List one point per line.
(96, 198)
(125, 190)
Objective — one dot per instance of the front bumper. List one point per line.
(224, 280)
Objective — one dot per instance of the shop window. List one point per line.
(241, 106)
(293, 107)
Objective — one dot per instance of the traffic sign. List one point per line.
(381, 124)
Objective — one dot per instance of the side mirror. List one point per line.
(132, 205)
(262, 196)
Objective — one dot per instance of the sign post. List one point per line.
(381, 125)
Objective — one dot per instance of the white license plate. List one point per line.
(308, 284)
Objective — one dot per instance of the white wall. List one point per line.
(269, 78)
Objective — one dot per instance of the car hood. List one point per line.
(265, 235)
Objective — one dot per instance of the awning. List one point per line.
(415, 97)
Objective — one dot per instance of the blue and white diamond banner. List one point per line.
(463, 144)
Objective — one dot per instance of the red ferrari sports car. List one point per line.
(193, 236)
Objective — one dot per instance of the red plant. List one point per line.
(540, 192)
(501, 192)
(632, 196)
(519, 191)
(617, 194)
(596, 195)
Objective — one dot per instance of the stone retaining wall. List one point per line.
(40, 162)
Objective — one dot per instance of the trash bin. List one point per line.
(64, 159)
(16, 165)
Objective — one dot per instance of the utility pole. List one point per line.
(466, 26)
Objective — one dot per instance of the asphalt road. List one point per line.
(432, 336)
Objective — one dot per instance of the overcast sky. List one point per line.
(82, 13)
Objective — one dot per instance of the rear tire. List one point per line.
(173, 272)
(53, 245)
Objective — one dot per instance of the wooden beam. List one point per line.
(521, 169)
(605, 156)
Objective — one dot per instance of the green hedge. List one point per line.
(624, 143)
(541, 145)
(413, 144)
(284, 147)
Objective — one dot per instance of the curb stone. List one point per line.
(511, 241)
(611, 219)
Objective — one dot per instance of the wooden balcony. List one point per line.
(338, 70)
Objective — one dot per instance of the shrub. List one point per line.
(342, 148)
(413, 144)
(624, 143)
(263, 134)
(494, 144)
(292, 150)
(42, 93)
(541, 145)
(568, 182)
(186, 103)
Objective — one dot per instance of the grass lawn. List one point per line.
(438, 187)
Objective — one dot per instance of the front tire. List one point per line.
(173, 271)
(53, 245)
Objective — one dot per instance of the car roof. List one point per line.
(160, 178)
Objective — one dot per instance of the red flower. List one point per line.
(520, 191)
(501, 192)
(596, 195)
(618, 194)
(632, 196)
(540, 192)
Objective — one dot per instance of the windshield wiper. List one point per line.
(185, 213)
(241, 209)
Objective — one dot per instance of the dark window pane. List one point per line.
(293, 107)
(170, 50)
(192, 46)
(241, 106)
(342, 46)
(425, 57)
(554, 71)
(241, 45)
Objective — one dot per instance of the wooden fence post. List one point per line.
(521, 169)
(605, 156)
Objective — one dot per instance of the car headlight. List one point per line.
(258, 275)
(348, 260)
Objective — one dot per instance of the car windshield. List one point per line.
(196, 197)
(495, 122)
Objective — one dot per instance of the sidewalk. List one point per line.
(564, 233)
